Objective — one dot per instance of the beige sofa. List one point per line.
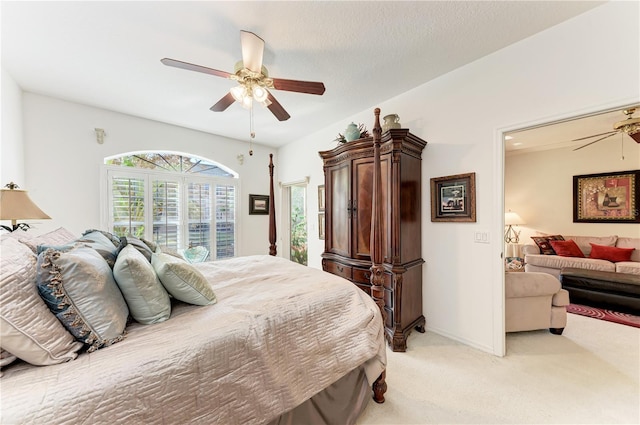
(534, 301)
(553, 264)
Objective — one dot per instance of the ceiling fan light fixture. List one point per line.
(259, 93)
(247, 102)
(239, 93)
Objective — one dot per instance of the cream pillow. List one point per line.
(28, 329)
(60, 236)
(182, 280)
(147, 299)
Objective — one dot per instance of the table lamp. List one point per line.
(16, 205)
(512, 219)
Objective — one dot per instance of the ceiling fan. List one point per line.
(630, 126)
(253, 79)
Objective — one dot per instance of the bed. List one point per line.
(283, 344)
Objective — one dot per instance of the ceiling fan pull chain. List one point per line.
(621, 146)
(252, 133)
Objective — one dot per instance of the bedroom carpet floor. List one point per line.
(589, 375)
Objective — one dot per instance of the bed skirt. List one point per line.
(340, 403)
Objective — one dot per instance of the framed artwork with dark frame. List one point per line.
(453, 198)
(321, 226)
(607, 197)
(321, 198)
(259, 204)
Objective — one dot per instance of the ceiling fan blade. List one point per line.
(309, 87)
(635, 137)
(252, 51)
(192, 67)
(595, 141)
(276, 108)
(223, 103)
(594, 135)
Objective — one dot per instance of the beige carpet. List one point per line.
(589, 375)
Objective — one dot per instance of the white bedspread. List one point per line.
(279, 334)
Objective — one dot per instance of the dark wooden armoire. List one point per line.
(348, 173)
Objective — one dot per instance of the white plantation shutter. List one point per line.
(166, 213)
(225, 221)
(127, 201)
(199, 210)
(173, 209)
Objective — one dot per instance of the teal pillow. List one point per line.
(147, 299)
(115, 240)
(139, 244)
(79, 289)
(95, 239)
(182, 280)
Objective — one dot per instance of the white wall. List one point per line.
(462, 115)
(539, 187)
(63, 162)
(11, 148)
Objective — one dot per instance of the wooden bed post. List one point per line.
(376, 241)
(272, 211)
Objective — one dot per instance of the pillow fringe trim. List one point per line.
(78, 327)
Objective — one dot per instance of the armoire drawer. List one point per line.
(337, 269)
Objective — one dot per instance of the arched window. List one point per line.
(177, 200)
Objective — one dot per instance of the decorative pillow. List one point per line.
(610, 253)
(60, 236)
(102, 244)
(544, 245)
(113, 238)
(147, 299)
(182, 280)
(78, 287)
(138, 244)
(567, 248)
(28, 329)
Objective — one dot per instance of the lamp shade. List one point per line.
(15, 204)
(511, 219)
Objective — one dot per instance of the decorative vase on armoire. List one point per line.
(348, 171)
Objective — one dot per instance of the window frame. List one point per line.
(109, 172)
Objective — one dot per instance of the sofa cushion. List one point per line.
(519, 285)
(610, 253)
(78, 287)
(584, 242)
(544, 245)
(146, 298)
(630, 267)
(28, 329)
(182, 280)
(625, 242)
(567, 248)
(557, 262)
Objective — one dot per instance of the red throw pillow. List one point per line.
(567, 248)
(544, 245)
(610, 253)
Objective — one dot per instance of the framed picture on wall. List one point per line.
(453, 198)
(321, 198)
(607, 197)
(259, 204)
(321, 225)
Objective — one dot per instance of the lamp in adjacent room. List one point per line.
(512, 219)
(16, 205)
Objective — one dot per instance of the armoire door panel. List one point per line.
(340, 216)
(362, 187)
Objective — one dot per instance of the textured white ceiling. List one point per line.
(107, 54)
